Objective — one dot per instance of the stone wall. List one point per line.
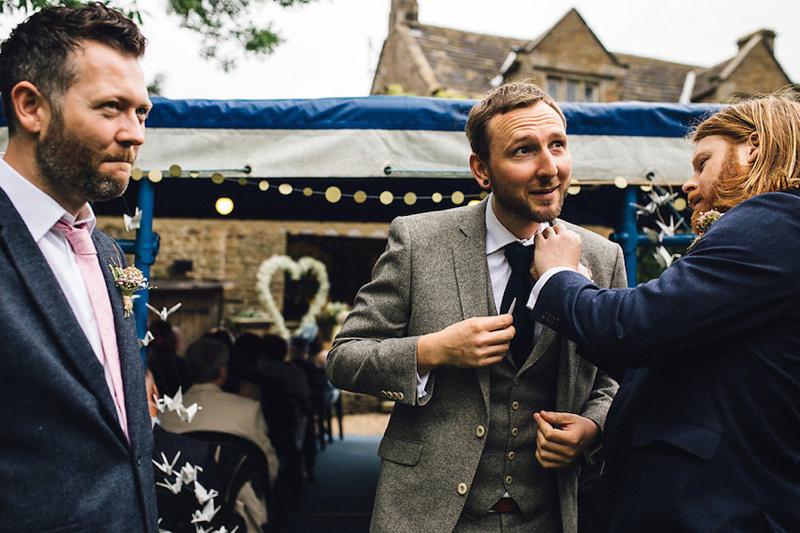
(231, 251)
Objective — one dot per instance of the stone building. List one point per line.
(568, 60)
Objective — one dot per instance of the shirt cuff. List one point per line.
(540, 284)
(421, 382)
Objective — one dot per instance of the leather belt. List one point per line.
(505, 505)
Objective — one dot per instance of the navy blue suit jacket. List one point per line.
(65, 463)
(704, 433)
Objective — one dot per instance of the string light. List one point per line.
(224, 205)
(332, 194)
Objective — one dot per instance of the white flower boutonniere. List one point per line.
(704, 223)
(128, 280)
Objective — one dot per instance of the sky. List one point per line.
(332, 46)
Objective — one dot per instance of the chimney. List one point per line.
(403, 12)
(768, 36)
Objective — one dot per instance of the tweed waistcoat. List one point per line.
(508, 463)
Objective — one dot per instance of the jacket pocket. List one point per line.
(696, 440)
(400, 451)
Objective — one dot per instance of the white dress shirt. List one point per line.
(40, 212)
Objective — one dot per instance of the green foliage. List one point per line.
(228, 27)
(156, 87)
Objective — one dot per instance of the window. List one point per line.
(590, 92)
(553, 85)
(572, 91)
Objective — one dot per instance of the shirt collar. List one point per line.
(498, 236)
(38, 210)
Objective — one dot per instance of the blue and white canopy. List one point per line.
(363, 137)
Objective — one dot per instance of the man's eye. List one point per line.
(523, 150)
(111, 105)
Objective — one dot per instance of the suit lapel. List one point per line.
(472, 273)
(127, 342)
(52, 306)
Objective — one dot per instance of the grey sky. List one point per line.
(333, 45)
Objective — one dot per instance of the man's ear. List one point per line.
(30, 107)
(479, 171)
(752, 148)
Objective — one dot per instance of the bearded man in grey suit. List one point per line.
(462, 451)
(75, 434)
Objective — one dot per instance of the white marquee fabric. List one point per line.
(420, 137)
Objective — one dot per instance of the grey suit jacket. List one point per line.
(433, 274)
(66, 463)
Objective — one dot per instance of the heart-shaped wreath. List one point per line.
(295, 269)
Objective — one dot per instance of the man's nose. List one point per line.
(546, 164)
(131, 131)
(689, 185)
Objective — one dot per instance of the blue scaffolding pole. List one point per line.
(145, 249)
(630, 239)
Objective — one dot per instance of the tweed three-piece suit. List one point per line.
(441, 453)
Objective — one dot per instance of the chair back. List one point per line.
(240, 459)
(175, 510)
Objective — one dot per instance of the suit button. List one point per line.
(515, 405)
(462, 488)
(508, 480)
(511, 456)
(514, 431)
(400, 396)
(480, 431)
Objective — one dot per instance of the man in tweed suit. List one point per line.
(462, 451)
(75, 434)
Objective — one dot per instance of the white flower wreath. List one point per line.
(296, 269)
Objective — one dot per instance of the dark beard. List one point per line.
(70, 165)
(521, 209)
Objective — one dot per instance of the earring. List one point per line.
(486, 183)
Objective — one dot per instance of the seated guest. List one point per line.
(246, 353)
(207, 361)
(285, 400)
(316, 378)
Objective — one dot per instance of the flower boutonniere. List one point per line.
(128, 280)
(704, 224)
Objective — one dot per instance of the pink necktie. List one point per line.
(86, 257)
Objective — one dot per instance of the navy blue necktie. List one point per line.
(519, 288)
